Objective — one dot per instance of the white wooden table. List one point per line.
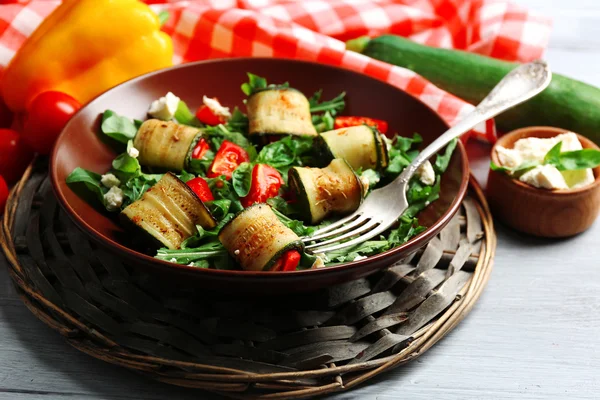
(535, 333)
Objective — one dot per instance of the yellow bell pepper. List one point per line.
(84, 48)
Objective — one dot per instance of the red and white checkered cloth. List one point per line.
(316, 30)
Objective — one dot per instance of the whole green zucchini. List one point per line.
(566, 103)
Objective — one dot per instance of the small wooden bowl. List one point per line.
(542, 212)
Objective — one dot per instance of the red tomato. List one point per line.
(14, 155)
(266, 182)
(227, 159)
(208, 117)
(200, 187)
(200, 149)
(48, 114)
(345, 122)
(288, 262)
(6, 116)
(3, 194)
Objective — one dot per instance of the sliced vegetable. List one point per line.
(320, 192)
(361, 146)
(47, 115)
(200, 149)
(208, 117)
(288, 262)
(14, 155)
(279, 111)
(228, 158)
(257, 239)
(169, 212)
(345, 122)
(200, 187)
(164, 144)
(266, 182)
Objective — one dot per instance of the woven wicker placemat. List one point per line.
(291, 347)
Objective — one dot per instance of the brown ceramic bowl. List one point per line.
(80, 145)
(542, 212)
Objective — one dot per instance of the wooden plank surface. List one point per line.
(535, 337)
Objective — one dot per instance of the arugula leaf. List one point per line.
(407, 228)
(285, 153)
(323, 122)
(207, 251)
(400, 154)
(218, 208)
(295, 225)
(200, 166)
(254, 83)
(364, 249)
(242, 179)
(163, 17)
(442, 160)
(222, 189)
(184, 116)
(278, 203)
(134, 188)
(90, 182)
(334, 105)
(119, 128)
(186, 176)
(238, 121)
(217, 134)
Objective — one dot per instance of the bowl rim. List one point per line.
(531, 132)
(138, 257)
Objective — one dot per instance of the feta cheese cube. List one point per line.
(426, 173)
(113, 198)
(216, 107)
(165, 107)
(109, 180)
(544, 176)
(133, 152)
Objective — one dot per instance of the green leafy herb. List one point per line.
(242, 179)
(119, 128)
(126, 167)
(134, 188)
(400, 154)
(217, 134)
(254, 83)
(297, 226)
(218, 208)
(210, 250)
(89, 180)
(222, 189)
(285, 153)
(442, 160)
(371, 176)
(334, 105)
(572, 160)
(184, 116)
(238, 121)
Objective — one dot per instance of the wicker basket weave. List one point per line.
(302, 346)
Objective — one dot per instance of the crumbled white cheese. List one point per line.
(426, 173)
(216, 107)
(113, 198)
(165, 107)
(359, 257)
(534, 150)
(191, 264)
(173, 260)
(237, 252)
(133, 152)
(544, 176)
(109, 180)
(319, 263)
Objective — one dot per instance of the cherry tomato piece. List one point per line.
(266, 182)
(227, 159)
(345, 122)
(14, 155)
(47, 115)
(200, 149)
(3, 194)
(208, 117)
(288, 262)
(200, 187)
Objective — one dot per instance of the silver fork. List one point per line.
(382, 207)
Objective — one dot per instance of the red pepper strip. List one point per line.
(227, 159)
(208, 117)
(288, 262)
(200, 149)
(200, 187)
(266, 182)
(345, 122)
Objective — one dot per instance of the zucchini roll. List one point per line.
(279, 111)
(169, 212)
(362, 146)
(165, 144)
(257, 239)
(323, 191)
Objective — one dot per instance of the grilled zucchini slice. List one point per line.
(324, 191)
(256, 238)
(279, 111)
(362, 146)
(165, 144)
(169, 212)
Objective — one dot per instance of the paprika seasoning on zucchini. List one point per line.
(266, 182)
(228, 158)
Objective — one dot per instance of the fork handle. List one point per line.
(519, 85)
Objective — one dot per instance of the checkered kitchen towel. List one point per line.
(316, 30)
